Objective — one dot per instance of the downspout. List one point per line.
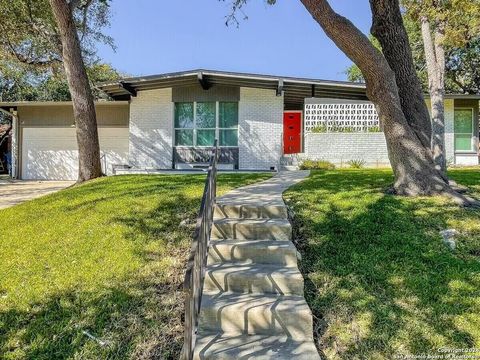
(13, 113)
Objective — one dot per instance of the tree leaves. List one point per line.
(31, 52)
(462, 42)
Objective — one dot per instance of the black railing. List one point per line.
(197, 261)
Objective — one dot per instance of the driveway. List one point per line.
(13, 192)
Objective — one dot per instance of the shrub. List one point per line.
(374, 129)
(357, 163)
(316, 165)
(343, 129)
(450, 162)
(319, 129)
(347, 129)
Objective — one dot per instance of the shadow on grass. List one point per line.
(145, 313)
(138, 315)
(378, 278)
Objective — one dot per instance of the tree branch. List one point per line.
(348, 38)
(74, 4)
(28, 60)
(462, 86)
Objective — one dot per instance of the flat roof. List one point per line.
(8, 104)
(137, 80)
(295, 89)
(459, 96)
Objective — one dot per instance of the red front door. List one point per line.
(292, 130)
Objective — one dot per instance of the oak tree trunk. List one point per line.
(388, 28)
(435, 59)
(408, 150)
(83, 105)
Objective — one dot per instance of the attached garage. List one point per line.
(47, 146)
(52, 153)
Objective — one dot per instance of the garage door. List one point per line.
(52, 153)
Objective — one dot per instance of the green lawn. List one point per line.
(106, 259)
(378, 278)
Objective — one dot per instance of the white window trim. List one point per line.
(194, 128)
(472, 134)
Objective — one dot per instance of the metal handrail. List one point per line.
(197, 262)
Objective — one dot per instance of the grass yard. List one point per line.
(378, 277)
(96, 271)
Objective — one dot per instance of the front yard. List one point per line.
(96, 271)
(378, 277)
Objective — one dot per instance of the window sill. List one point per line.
(465, 152)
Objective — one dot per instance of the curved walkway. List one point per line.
(253, 305)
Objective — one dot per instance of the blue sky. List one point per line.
(156, 36)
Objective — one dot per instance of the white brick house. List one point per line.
(170, 121)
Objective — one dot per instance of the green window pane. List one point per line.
(463, 121)
(463, 142)
(205, 137)
(229, 137)
(205, 115)
(184, 115)
(228, 114)
(184, 137)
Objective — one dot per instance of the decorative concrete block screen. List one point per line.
(323, 116)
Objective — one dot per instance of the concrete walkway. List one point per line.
(267, 192)
(13, 192)
(253, 305)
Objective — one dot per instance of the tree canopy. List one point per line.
(29, 33)
(461, 42)
(31, 51)
(24, 83)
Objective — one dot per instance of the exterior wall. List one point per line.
(260, 129)
(449, 129)
(466, 159)
(371, 147)
(459, 157)
(469, 158)
(45, 119)
(61, 116)
(15, 147)
(151, 129)
(339, 148)
(196, 93)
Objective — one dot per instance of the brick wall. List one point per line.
(339, 148)
(260, 128)
(151, 129)
(449, 129)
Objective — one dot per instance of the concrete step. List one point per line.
(256, 314)
(273, 229)
(253, 278)
(253, 347)
(253, 251)
(250, 211)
